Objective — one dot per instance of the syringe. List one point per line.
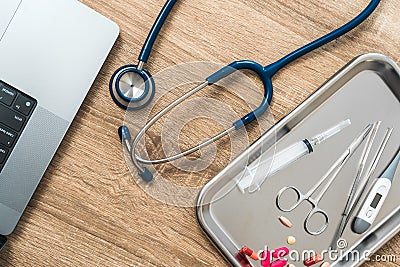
(253, 177)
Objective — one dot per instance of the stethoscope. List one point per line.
(132, 86)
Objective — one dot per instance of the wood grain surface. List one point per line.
(88, 211)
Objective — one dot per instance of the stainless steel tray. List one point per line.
(366, 90)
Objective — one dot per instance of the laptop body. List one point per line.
(50, 54)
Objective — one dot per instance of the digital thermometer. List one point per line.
(375, 199)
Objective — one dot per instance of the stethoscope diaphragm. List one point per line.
(132, 88)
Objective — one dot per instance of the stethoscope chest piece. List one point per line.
(132, 88)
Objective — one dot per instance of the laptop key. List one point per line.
(3, 154)
(7, 137)
(7, 94)
(11, 118)
(15, 110)
(23, 104)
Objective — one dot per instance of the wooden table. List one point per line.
(87, 210)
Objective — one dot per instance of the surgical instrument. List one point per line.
(123, 84)
(333, 172)
(364, 181)
(375, 198)
(359, 183)
(253, 178)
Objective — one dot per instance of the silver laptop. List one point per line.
(50, 53)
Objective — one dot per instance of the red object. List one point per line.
(247, 251)
(313, 260)
(279, 263)
(266, 258)
(241, 258)
(280, 252)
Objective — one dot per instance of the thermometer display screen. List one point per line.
(376, 200)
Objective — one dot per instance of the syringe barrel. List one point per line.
(277, 162)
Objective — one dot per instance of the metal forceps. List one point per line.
(332, 172)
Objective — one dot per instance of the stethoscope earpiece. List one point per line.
(131, 87)
(146, 175)
(125, 137)
(124, 133)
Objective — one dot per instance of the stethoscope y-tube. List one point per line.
(265, 73)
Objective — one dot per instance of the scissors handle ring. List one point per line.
(300, 198)
(312, 213)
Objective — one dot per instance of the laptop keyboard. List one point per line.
(15, 111)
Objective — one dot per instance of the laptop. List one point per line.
(50, 54)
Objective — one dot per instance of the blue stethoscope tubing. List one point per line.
(265, 73)
(155, 30)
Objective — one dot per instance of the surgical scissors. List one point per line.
(333, 172)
